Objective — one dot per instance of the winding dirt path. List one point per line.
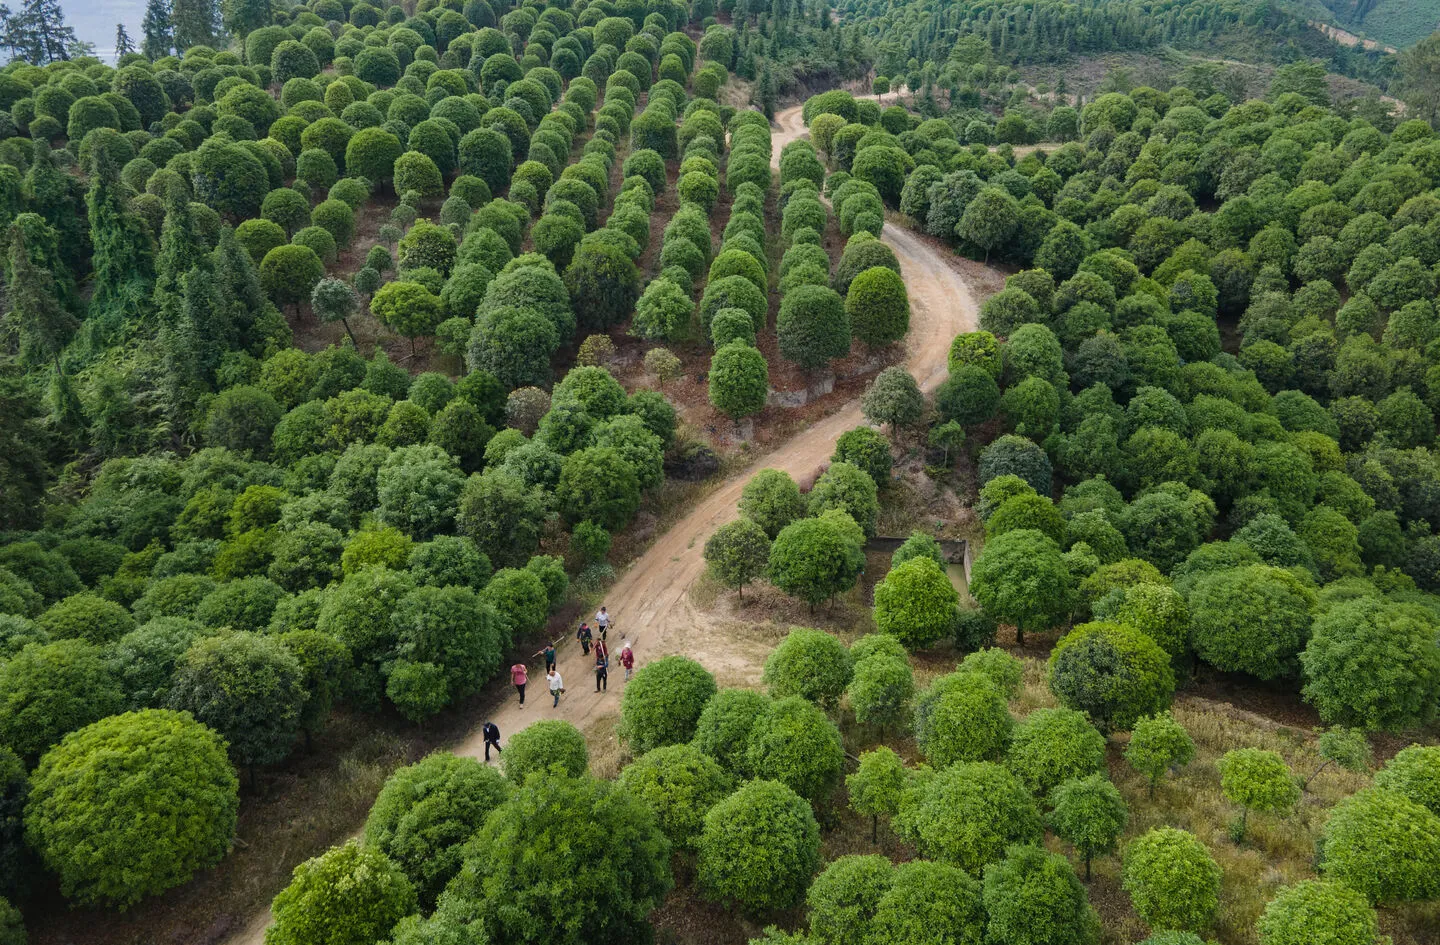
(651, 602)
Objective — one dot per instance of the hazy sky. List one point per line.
(94, 20)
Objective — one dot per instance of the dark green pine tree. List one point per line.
(180, 249)
(243, 299)
(159, 35)
(38, 34)
(22, 451)
(184, 356)
(767, 92)
(46, 325)
(123, 258)
(196, 22)
(58, 198)
(67, 416)
(124, 45)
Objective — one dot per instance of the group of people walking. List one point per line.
(593, 642)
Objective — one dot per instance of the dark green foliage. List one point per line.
(1112, 673)
(589, 829)
(247, 687)
(812, 326)
(662, 703)
(52, 690)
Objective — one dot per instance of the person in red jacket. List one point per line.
(627, 658)
(519, 677)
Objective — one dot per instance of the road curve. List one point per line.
(651, 600)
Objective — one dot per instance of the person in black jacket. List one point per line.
(491, 731)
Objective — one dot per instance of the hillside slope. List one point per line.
(1399, 23)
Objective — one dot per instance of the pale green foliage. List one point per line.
(1259, 780)
(809, 663)
(93, 801)
(1314, 911)
(759, 848)
(967, 814)
(916, 603)
(1158, 744)
(1173, 881)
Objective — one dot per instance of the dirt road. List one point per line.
(650, 602)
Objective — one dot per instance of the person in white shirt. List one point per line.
(557, 685)
(602, 623)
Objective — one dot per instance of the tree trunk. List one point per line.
(1315, 774)
(1087, 866)
(1019, 635)
(874, 829)
(346, 323)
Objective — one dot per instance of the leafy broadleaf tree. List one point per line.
(737, 553)
(1089, 814)
(1158, 744)
(1256, 779)
(876, 787)
(93, 799)
(663, 702)
(1172, 879)
(759, 848)
(350, 894)
(1314, 910)
(427, 811)
(1383, 844)
(968, 814)
(571, 835)
(247, 687)
(1021, 579)
(809, 663)
(1032, 896)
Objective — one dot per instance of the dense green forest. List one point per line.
(334, 366)
(920, 34)
(1398, 23)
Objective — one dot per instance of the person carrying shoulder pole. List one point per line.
(602, 667)
(602, 623)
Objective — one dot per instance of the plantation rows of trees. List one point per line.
(212, 536)
(1282, 486)
(735, 788)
